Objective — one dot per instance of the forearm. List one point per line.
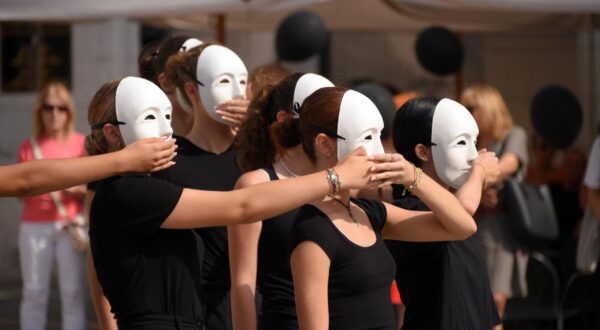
(594, 201)
(243, 306)
(243, 254)
(446, 208)
(42, 176)
(469, 195)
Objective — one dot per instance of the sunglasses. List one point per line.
(51, 107)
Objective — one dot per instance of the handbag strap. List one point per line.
(37, 154)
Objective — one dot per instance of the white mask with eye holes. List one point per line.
(143, 108)
(183, 102)
(453, 135)
(222, 76)
(307, 84)
(359, 124)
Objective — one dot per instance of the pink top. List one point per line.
(41, 208)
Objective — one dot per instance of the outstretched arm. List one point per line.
(197, 208)
(42, 176)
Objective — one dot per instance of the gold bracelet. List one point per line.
(417, 180)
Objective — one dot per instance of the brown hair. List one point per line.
(147, 61)
(266, 76)
(181, 68)
(51, 88)
(319, 114)
(493, 115)
(258, 140)
(102, 109)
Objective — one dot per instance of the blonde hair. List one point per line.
(494, 116)
(65, 96)
(102, 109)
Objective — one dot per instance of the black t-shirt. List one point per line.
(144, 270)
(200, 169)
(359, 277)
(444, 285)
(274, 274)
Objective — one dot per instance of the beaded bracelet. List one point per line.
(418, 177)
(334, 182)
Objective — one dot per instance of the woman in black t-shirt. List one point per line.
(444, 285)
(258, 251)
(147, 259)
(342, 270)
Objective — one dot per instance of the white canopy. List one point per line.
(355, 15)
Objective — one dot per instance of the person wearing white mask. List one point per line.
(341, 268)
(209, 75)
(147, 256)
(270, 151)
(444, 285)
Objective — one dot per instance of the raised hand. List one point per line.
(233, 111)
(489, 163)
(354, 170)
(149, 155)
(392, 169)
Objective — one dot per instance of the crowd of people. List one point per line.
(219, 199)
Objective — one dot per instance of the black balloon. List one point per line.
(300, 36)
(383, 99)
(439, 50)
(556, 116)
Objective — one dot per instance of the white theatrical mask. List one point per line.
(453, 135)
(183, 102)
(222, 76)
(360, 124)
(189, 44)
(143, 108)
(307, 84)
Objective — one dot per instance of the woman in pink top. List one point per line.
(42, 237)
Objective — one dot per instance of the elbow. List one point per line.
(469, 230)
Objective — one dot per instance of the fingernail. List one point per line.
(373, 168)
(370, 158)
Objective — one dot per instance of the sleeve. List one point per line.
(516, 142)
(140, 204)
(592, 172)
(312, 227)
(25, 152)
(376, 212)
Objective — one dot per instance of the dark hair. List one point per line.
(412, 125)
(147, 61)
(260, 137)
(319, 113)
(169, 46)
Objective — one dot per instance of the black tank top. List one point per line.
(274, 275)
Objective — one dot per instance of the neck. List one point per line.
(181, 121)
(429, 170)
(209, 134)
(295, 161)
(56, 135)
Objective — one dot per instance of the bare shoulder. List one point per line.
(252, 178)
